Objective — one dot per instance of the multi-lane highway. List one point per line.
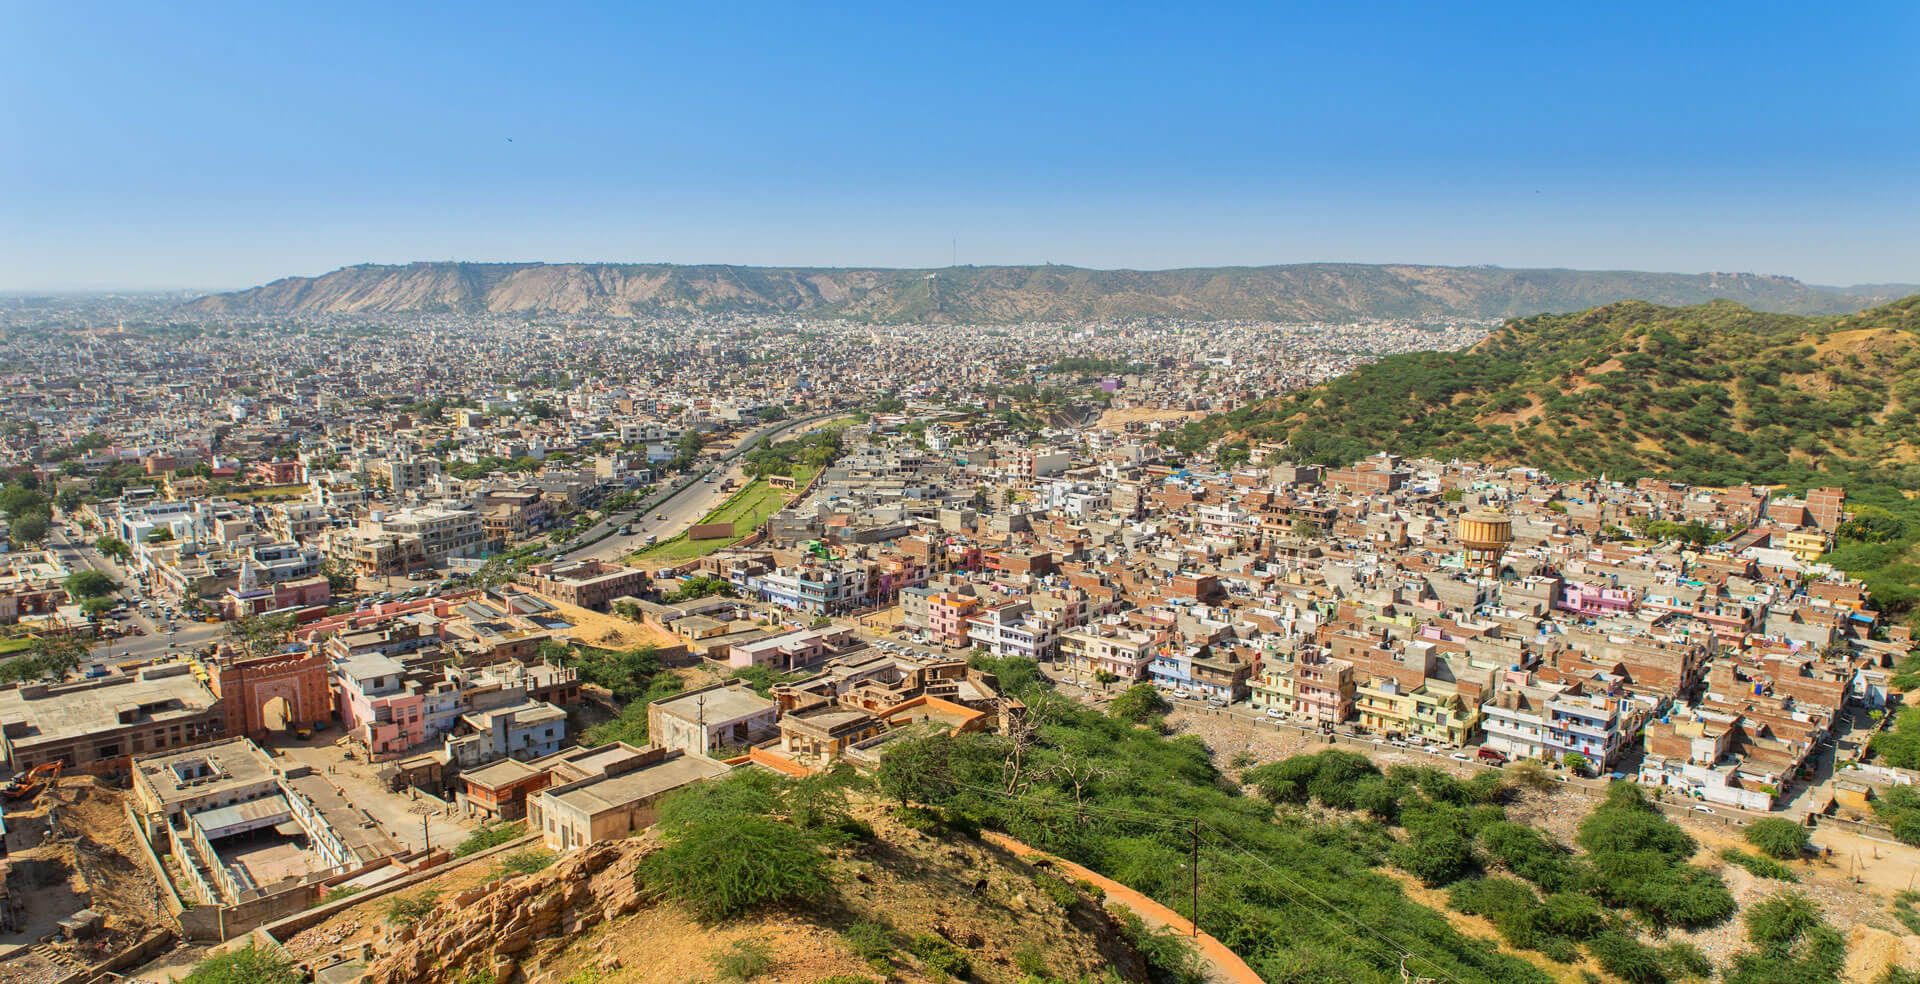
(669, 516)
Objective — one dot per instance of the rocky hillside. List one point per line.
(1715, 393)
(903, 905)
(1304, 292)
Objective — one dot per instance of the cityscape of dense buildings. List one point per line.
(358, 564)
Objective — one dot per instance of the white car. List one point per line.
(1183, 694)
(1702, 808)
(1276, 713)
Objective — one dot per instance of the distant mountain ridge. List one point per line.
(1299, 292)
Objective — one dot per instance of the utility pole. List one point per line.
(426, 835)
(1196, 877)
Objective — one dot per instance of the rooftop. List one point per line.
(643, 783)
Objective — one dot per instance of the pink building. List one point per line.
(1323, 690)
(1595, 600)
(309, 592)
(378, 706)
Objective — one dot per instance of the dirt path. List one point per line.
(1223, 965)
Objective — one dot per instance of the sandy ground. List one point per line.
(609, 631)
(94, 857)
(1144, 415)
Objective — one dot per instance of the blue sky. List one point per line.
(222, 145)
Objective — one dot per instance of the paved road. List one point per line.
(686, 507)
(79, 554)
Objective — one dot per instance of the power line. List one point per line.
(1395, 951)
(1396, 945)
(1391, 954)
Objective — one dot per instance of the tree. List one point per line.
(725, 853)
(88, 584)
(114, 548)
(1778, 837)
(58, 655)
(1576, 763)
(1139, 704)
(917, 769)
(260, 635)
(31, 528)
(701, 586)
(340, 580)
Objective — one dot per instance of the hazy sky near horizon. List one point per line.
(215, 145)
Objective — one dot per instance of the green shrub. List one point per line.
(870, 941)
(1170, 958)
(1762, 867)
(1637, 859)
(1781, 919)
(723, 868)
(1572, 915)
(1792, 945)
(490, 835)
(411, 909)
(1527, 853)
(1904, 910)
(527, 862)
(939, 956)
(743, 961)
(1683, 960)
(1057, 889)
(1627, 958)
(339, 892)
(1141, 703)
(247, 965)
(1438, 848)
(1030, 959)
(1778, 838)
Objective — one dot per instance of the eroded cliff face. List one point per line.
(494, 926)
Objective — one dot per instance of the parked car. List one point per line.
(1702, 808)
(1276, 713)
(1493, 755)
(1459, 756)
(1215, 702)
(1183, 694)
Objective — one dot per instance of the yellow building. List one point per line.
(1441, 714)
(1807, 545)
(1383, 706)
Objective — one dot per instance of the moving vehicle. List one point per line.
(626, 530)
